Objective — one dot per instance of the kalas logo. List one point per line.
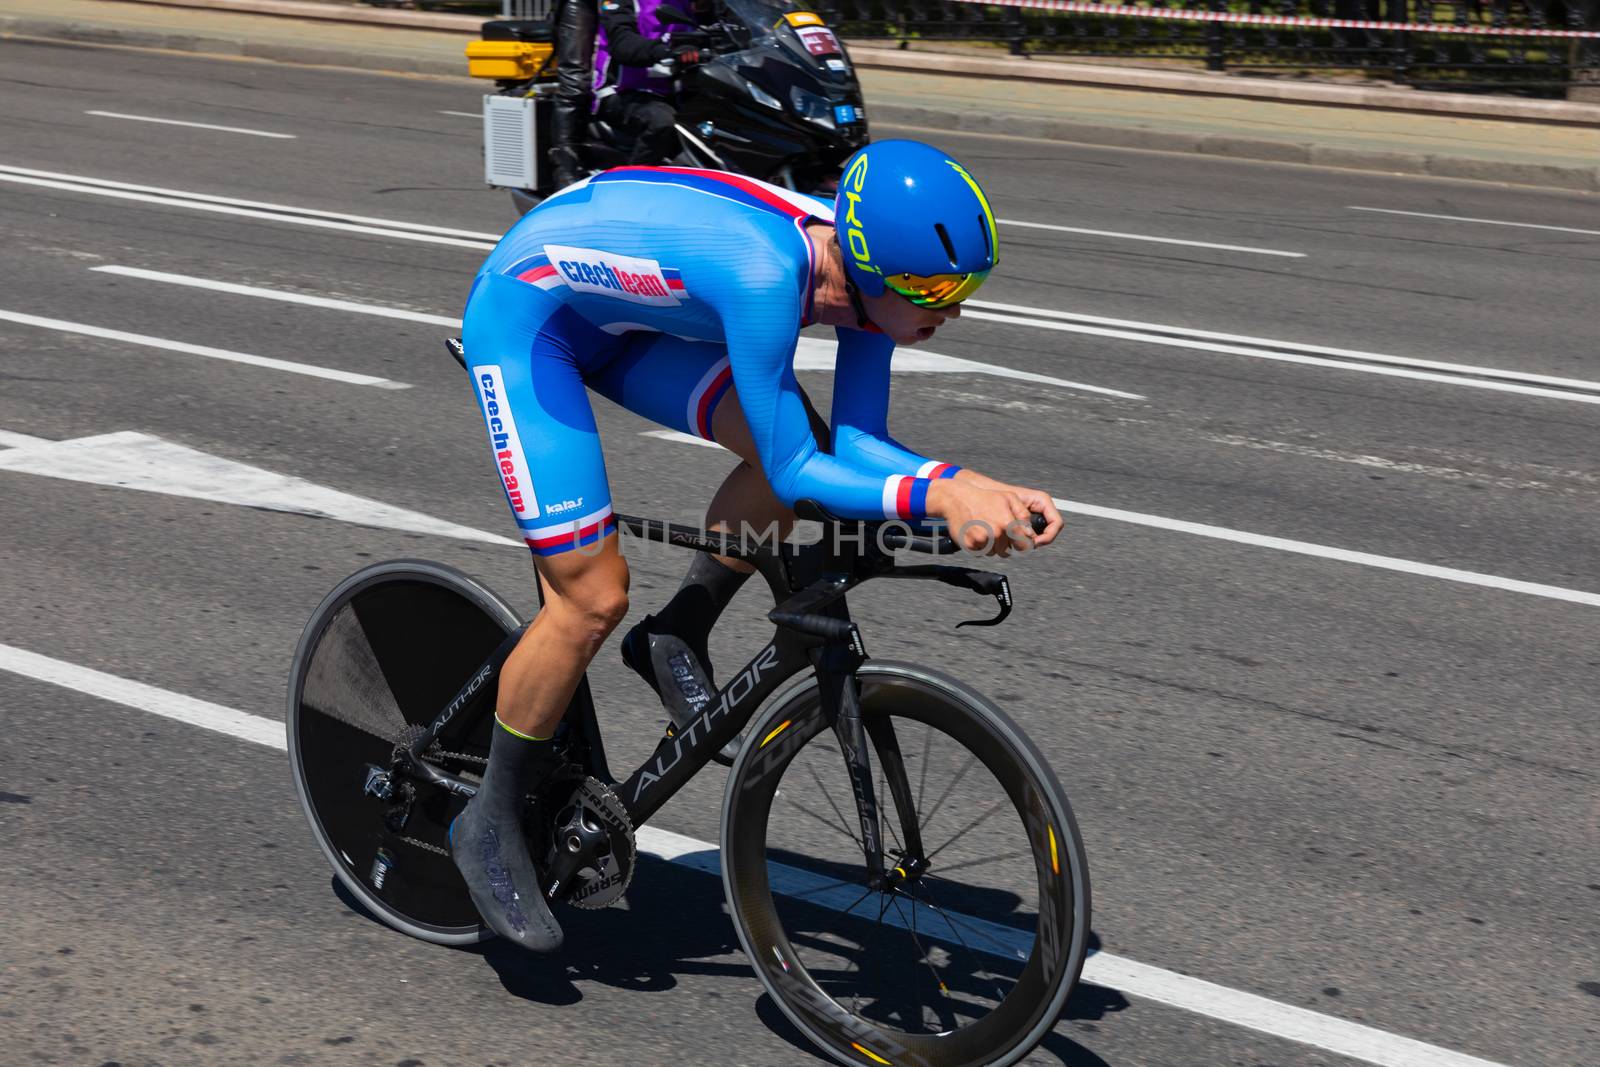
(638, 281)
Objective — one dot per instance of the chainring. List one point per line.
(606, 875)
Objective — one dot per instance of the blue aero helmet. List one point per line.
(912, 220)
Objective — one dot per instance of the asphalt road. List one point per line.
(1356, 786)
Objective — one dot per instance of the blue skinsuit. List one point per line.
(659, 288)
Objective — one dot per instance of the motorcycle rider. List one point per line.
(575, 22)
(630, 98)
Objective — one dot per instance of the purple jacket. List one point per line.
(622, 58)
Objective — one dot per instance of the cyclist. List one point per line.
(680, 294)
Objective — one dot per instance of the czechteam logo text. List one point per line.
(507, 445)
(638, 281)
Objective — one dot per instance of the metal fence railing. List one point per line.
(1429, 44)
(1466, 44)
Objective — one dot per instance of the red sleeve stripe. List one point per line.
(934, 469)
(905, 497)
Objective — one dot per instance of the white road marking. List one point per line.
(463, 114)
(201, 350)
(1284, 544)
(1147, 237)
(1130, 977)
(1485, 222)
(208, 198)
(1343, 555)
(1583, 392)
(191, 125)
(1041, 318)
(270, 213)
(678, 437)
(130, 460)
(281, 294)
(1471, 369)
(20, 440)
(1334, 455)
(1365, 1043)
(162, 702)
(811, 353)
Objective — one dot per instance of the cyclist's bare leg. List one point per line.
(585, 596)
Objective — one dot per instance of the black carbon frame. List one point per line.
(814, 632)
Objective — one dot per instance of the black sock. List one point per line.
(708, 587)
(517, 762)
(490, 849)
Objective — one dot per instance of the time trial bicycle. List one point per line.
(900, 863)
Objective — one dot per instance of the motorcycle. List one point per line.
(775, 97)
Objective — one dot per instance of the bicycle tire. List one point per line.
(1026, 1013)
(384, 652)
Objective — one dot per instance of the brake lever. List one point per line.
(1002, 596)
(995, 585)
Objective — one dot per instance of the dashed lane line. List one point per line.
(1142, 980)
(1148, 237)
(1482, 222)
(191, 125)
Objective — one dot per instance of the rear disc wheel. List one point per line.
(380, 658)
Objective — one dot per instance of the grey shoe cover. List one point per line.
(493, 860)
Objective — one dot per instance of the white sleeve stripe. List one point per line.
(891, 496)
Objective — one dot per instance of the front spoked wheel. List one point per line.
(966, 952)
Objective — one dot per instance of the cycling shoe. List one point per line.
(493, 860)
(670, 667)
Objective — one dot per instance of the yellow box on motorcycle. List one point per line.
(512, 50)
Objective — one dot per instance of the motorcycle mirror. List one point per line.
(668, 15)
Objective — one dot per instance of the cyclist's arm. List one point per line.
(861, 411)
(761, 332)
(620, 19)
(861, 430)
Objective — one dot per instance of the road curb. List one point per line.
(310, 55)
(1575, 178)
(310, 9)
(1312, 94)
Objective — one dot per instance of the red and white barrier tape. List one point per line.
(1083, 7)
